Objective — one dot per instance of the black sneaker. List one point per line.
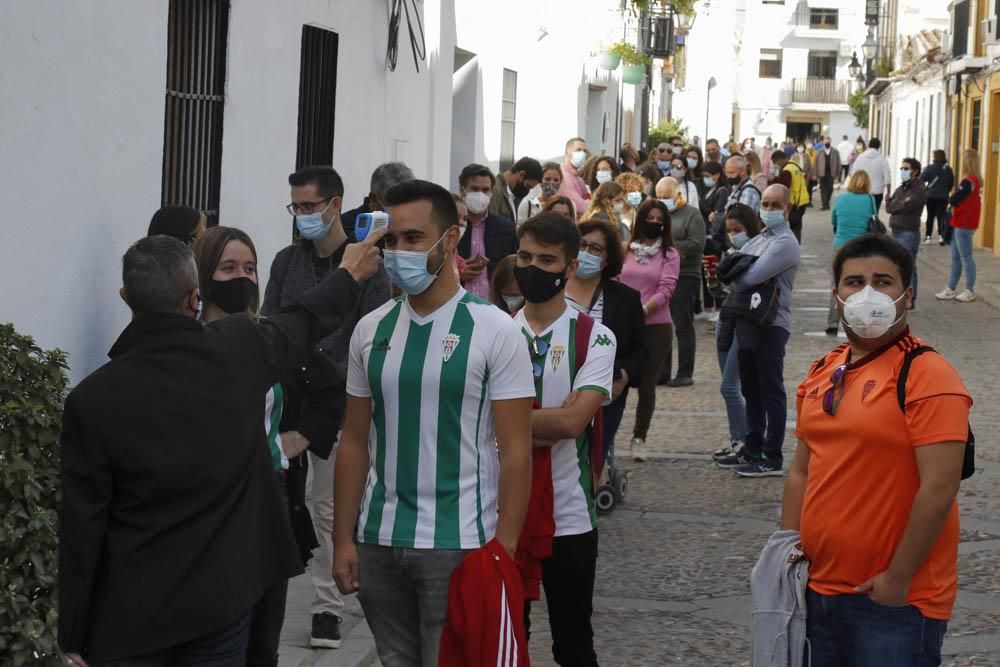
(832, 331)
(680, 382)
(737, 459)
(762, 468)
(325, 631)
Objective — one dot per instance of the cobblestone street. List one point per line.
(673, 573)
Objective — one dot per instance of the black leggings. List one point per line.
(936, 208)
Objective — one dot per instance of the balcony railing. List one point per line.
(821, 91)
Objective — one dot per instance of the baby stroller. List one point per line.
(615, 488)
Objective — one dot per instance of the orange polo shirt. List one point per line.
(863, 471)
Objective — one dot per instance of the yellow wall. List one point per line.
(988, 92)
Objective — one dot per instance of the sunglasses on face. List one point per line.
(833, 395)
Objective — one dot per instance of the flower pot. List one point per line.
(633, 73)
(608, 60)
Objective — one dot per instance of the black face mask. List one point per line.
(521, 191)
(539, 286)
(232, 296)
(653, 230)
(735, 180)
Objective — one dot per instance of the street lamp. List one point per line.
(855, 67)
(684, 22)
(870, 47)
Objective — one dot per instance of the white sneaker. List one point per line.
(703, 315)
(966, 296)
(928, 240)
(946, 294)
(638, 449)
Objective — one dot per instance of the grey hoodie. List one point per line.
(778, 612)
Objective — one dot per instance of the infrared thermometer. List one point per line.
(368, 222)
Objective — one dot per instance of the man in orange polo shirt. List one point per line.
(872, 488)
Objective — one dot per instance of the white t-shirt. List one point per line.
(434, 474)
(572, 480)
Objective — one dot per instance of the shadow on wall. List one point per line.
(467, 143)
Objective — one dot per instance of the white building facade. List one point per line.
(111, 108)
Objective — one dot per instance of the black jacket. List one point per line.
(171, 521)
(744, 313)
(500, 238)
(939, 178)
(623, 315)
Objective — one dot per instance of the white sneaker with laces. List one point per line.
(965, 296)
(946, 294)
(638, 449)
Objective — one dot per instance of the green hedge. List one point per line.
(32, 388)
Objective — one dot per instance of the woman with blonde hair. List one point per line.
(850, 215)
(966, 203)
(632, 184)
(609, 199)
(757, 175)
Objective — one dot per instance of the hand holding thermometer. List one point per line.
(368, 222)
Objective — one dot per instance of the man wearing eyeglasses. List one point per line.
(872, 486)
(571, 384)
(317, 195)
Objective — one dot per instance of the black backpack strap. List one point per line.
(904, 373)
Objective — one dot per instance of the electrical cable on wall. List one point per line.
(417, 44)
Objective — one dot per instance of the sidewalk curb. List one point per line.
(943, 269)
(357, 650)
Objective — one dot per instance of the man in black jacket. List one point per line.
(170, 520)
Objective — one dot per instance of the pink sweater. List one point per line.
(574, 189)
(656, 280)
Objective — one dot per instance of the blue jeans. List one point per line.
(910, 239)
(961, 256)
(762, 381)
(224, 648)
(736, 410)
(856, 631)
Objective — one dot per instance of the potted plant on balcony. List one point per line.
(634, 61)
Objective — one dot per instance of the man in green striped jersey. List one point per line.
(434, 459)
(571, 385)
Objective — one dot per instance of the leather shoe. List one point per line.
(680, 382)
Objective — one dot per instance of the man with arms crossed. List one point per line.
(438, 383)
(872, 487)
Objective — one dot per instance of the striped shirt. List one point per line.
(434, 472)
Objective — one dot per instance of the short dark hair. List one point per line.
(779, 156)
(939, 156)
(552, 229)
(747, 217)
(176, 221)
(158, 273)
(711, 168)
(531, 167)
(670, 140)
(642, 213)
(613, 242)
(387, 175)
(551, 166)
(470, 171)
(875, 245)
(444, 213)
(327, 180)
(913, 162)
(712, 141)
(208, 251)
(875, 143)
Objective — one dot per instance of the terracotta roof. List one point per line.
(918, 48)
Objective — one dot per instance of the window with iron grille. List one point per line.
(197, 33)
(770, 64)
(823, 19)
(508, 118)
(317, 96)
(822, 65)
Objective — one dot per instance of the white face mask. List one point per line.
(461, 231)
(577, 158)
(603, 175)
(477, 202)
(870, 313)
(513, 302)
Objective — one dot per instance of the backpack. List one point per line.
(969, 460)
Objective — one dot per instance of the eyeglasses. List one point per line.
(592, 248)
(662, 149)
(305, 207)
(833, 395)
(539, 348)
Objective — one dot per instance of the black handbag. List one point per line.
(875, 225)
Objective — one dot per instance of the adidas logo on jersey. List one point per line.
(381, 346)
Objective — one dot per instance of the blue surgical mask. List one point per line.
(634, 199)
(663, 165)
(772, 218)
(618, 207)
(692, 163)
(677, 174)
(669, 203)
(904, 175)
(709, 181)
(590, 265)
(311, 226)
(408, 269)
(739, 239)
(603, 176)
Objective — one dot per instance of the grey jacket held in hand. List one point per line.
(778, 612)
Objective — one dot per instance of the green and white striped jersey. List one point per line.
(572, 482)
(433, 479)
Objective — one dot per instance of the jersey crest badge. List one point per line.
(448, 345)
(556, 353)
(869, 388)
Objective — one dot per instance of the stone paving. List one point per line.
(673, 574)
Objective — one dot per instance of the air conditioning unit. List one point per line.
(988, 31)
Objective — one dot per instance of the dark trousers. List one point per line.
(682, 312)
(762, 381)
(826, 190)
(856, 631)
(568, 578)
(224, 648)
(937, 209)
(878, 202)
(660, 343)
(795, 221)
(267, 617)
(845, 169)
